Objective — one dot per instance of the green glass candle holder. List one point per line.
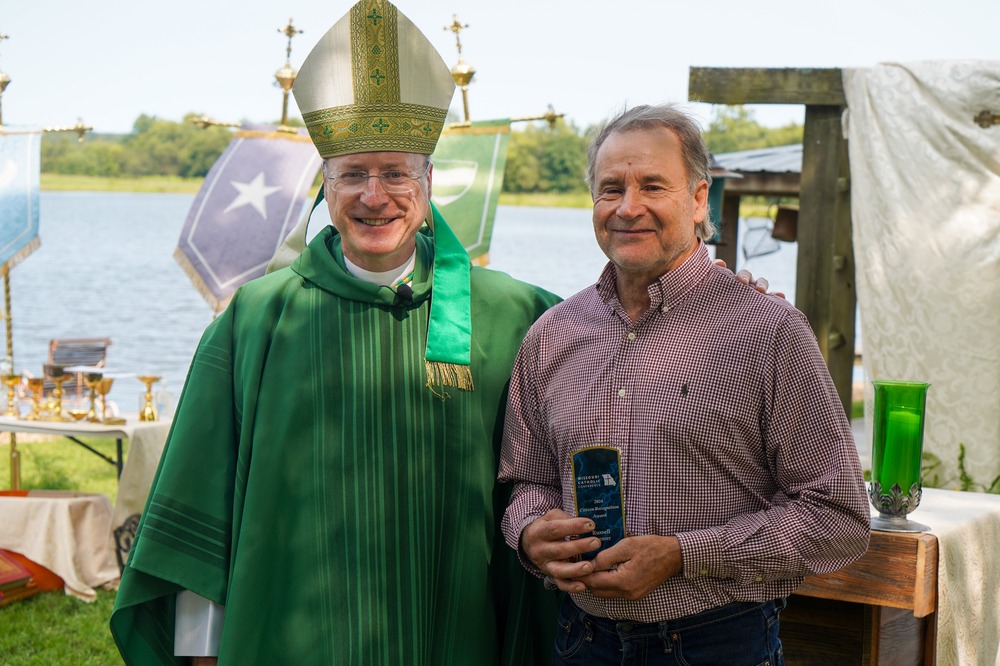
(897, 449)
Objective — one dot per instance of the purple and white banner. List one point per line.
(251, 198)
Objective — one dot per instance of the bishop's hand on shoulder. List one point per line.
(746, 277)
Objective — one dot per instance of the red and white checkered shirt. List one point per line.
(731, 436)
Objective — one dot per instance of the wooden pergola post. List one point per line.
(824, 288)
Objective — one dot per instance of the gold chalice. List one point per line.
(148, 412)
(91, 380)
(103, 388)
(36, 385)
(11, 381)
(59, 376)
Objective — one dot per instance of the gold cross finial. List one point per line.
(289, 31)
(457, 27)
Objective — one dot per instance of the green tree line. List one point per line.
(154, 147)
(540, 157)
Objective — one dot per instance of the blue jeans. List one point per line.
(740, 634)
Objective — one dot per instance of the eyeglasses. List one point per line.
(393, 181)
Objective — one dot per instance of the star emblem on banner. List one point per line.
(253, 193)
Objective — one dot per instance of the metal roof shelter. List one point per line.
(774, 160)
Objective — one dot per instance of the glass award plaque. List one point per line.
(597, 493)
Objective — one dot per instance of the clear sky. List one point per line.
(108, 61)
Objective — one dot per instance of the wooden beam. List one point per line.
(764, 184)
(766, 86)
(824, 287)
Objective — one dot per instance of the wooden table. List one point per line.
(879, 610)
(67, 533)
(920, 598)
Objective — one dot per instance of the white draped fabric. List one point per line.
(967, 526)
(925, 204)
(67, 533)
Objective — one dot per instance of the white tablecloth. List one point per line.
(967, 526)
(144, 449)
(146, 440)
(68, 533)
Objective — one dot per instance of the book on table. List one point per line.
(13, 574)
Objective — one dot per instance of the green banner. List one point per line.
(468, 175)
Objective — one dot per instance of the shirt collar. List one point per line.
(322, 263)
(670, 288)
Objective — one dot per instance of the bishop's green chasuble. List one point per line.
(342, 512)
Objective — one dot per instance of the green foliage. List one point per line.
(966, 482)
(180, 149)
(546, 159)
(734, 128)
(97, 155)
(155, 147)
(930, 472)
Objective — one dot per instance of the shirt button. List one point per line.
(631, 335)
(704, 572)
(664, 309)
(621, 393)
(758, 578)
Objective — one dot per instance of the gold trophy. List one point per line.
(11, 381)
(59, 377)
(148, 412)
(36, 385)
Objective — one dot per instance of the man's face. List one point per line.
(377, 228)
(644, 212)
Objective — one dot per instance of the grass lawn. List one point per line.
(58, 182)
(53, 629)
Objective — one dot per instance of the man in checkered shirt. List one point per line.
(735, 461)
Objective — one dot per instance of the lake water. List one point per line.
(106, 268)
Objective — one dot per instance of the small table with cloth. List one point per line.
(68, 533)
(135, 471)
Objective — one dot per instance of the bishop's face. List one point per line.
(378, 201)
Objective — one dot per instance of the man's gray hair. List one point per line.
(671, 117)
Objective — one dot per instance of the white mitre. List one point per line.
(374, 82)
